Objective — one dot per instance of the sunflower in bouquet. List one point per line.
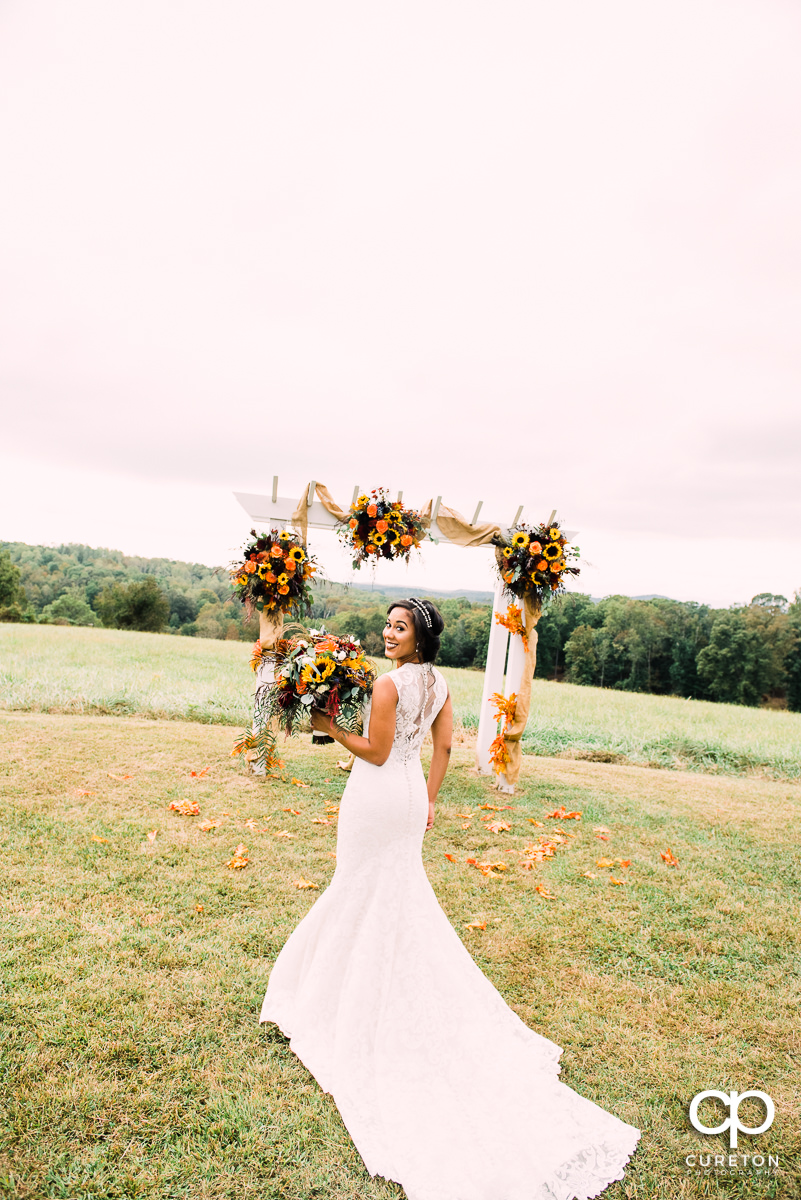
(316, 670)
(535, 561)
(274, 574)
(378, 527)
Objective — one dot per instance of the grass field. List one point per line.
(135, 961)
(59, 669)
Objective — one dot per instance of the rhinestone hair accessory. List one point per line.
(421, 608)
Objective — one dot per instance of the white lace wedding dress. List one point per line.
(441, 1086)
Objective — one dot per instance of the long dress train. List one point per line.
(441, 1086)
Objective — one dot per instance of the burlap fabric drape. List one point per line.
(532, 611)
(300, 517)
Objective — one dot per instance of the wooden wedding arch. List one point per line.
(511, 657)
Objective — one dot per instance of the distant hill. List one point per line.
(384, 590)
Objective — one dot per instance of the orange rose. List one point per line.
(283, 591)
(535, 548)
(372, 510)
(354, 524)
(290, 567)
(370, 548)
(276, 551)
(300, 687)
(542, 565)
(250, 567)
(270, 577)
(382, 526)
(260, 557)
(407, 539)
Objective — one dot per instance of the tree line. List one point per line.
(747, 654)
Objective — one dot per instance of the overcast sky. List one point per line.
(521, 252)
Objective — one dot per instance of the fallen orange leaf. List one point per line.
(599, 829)
(589, 875)
(562, 815)
(613, 880)
(465, 816)
(604, 862)
(95, 838)
(82, 793)
(284, 833)
(306, 883)
(295, 811)
(496, 807)
(602, 837)
(199, 908)
(331, 854)
(251, 824)
(322, 821)
(451, 857)
(121, 778)
(498, 826)
(533, 822)
(476, 925)
(208, 825)
(200, 774)
(299, 783)
(543, 891)
(240, 858)
(151, 837)
(667, 855)
(185, 808)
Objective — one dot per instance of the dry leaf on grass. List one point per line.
(121, 778)
(496, 807)
(200, 774)
(82, 793)
(589, 875)
(199, 908)
(151, 837)
(240, 858)
(602, 837)
(562, 815)
(599, 829)
(498, 826)
(618, 881)
(299, 783)
(543, 891)
(668, 857)
(533, 822)
(295, 811)
(185, 808)
(208, 825)
(322, 821)
(284, 833)
(331, 854)
(95, 838)
(306, 883)
(487, 869)
(476, 925)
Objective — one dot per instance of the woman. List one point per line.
(441, 1086)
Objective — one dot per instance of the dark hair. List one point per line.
(427, 632)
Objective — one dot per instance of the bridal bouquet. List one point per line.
(378, 527)
(275, 574)
(535, 561)
(316, 670)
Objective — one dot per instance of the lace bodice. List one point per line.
(422, 691)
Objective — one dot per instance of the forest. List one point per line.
(748, 654)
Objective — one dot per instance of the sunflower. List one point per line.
(554, 534)
(552, 550)
(284, 536)
(521, 538)
(296, 554)
(327, 666)
(283, 580)
(508, 552)
(379, 538)
(392, 536)
(242, 579)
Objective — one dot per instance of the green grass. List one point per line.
(131, 1058)
(58, 669)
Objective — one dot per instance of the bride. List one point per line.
(441, 1086)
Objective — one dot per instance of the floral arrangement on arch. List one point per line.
(505, 709)
(378, 527)
(535, 561)
(274, 574)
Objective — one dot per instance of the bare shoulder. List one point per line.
(384, 689)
